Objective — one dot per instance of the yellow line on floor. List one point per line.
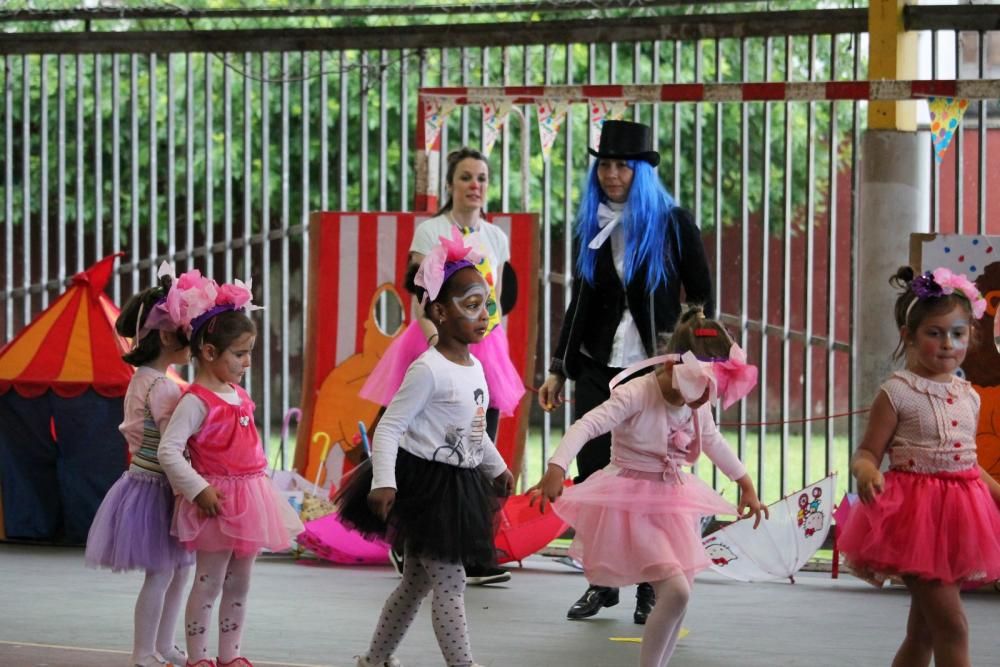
(108, 650)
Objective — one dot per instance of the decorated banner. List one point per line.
(600, 111)
(782, 544)
(436, 109)
(551, 114)
(946, 115)
(495, 114)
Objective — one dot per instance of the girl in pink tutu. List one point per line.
(227, 509)
(933, 518)
(432, 483)
(638, 518)
(131, 530)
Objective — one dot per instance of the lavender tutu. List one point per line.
(131, 530)
(635, 526)
(505, 385)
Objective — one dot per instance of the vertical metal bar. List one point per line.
(786, 277)
(363, 117)
(981, 204)
(959, 153)
(567, 267)
(833, 142)
(547, 251)
(718, 190)
(43, 186)
(8, 123)
(153, 171)
(464, 56)
(26, 225)
(807, 297)
(637, 77)
(613, 63)
(227, 163)
(526, 136)
(265, 235)
(484, 80)
(443, 163)
(699, 75)
(324, 136)
(765, 283)
(344, 147)
(209, 167)
(304, 218)
(744, 232)
(383, 132)
(655, 120)
(81, 148)
(404, 131)
(935, 167)
(135, 195)
(98, 161)
(248, 163)
(171, 165)
(285, 249)
(188, 159)
(505, 137)
(677, 123)
(852, 294)
(61, 175)
(116, 169)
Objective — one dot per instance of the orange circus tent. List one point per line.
(72, 346)
(62, 383)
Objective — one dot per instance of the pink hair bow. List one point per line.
(433, 269)
(736, 378)
(692, 377)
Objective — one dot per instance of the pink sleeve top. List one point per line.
(163, 397)
(648, 434)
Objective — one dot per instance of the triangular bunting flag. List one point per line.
(551, 114)
(601, 110)
(946, 116)
(495, 114)
(436, 109)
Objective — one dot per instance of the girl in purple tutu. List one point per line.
(131, 530)
(227, 509)
(638, 518)
(932, 518)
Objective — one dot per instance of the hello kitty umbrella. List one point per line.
(779, 548)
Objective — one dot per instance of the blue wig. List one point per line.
(646, 220)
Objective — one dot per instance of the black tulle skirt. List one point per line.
(441, 511)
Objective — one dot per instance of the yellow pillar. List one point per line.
(892, 54)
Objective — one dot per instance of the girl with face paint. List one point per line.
(433, 482)
(932, 519)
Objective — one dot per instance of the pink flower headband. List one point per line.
(194, 299)
(942, 282)
(442, 261)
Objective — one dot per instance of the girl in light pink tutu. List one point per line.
(933, 518)
(131, 530)
(638, 518)
(227, 509)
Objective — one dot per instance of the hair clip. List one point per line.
(706, 333)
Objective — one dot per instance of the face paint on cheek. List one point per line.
(464, 309)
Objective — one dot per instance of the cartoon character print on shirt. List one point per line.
(456, 449)
(720, 554)
(810, 517)
(453, 451)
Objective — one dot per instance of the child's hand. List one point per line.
(549, 488)
(209, 501)
(381, 500)
(750, 504)
(504, 483)
(870, 483)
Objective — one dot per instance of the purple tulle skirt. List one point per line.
(505, 385)
(131, 530)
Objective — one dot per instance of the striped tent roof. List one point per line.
(72, 345)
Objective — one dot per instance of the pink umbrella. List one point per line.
(328, 538)
(524, 530)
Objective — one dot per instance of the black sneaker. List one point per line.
(483, 576)
(396, 558)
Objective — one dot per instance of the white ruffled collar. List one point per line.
(930, 387)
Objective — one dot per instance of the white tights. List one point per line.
(663, 626)
(217, 572)
(156, 612)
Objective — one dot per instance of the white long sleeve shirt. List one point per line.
(438, 414)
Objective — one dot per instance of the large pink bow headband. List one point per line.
(444, 259)
(729, 379)
(194, 299)
(942, 282)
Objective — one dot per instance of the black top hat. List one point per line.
(626, 140)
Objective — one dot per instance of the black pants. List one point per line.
(591, 389)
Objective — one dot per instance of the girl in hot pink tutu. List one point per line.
(227, 509)
(933, 518)
(131, 530)
(637, 519)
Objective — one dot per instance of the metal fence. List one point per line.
(214, 161)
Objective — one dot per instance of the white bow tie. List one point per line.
(608, 219)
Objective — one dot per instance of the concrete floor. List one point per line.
(54, 612)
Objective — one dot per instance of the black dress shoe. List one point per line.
(592, 601)
(645, 598)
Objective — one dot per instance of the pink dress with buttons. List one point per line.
(227, 452)
(935, 519)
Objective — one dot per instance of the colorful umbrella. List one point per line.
(782, 544)
(524, 530)
(330, 539)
